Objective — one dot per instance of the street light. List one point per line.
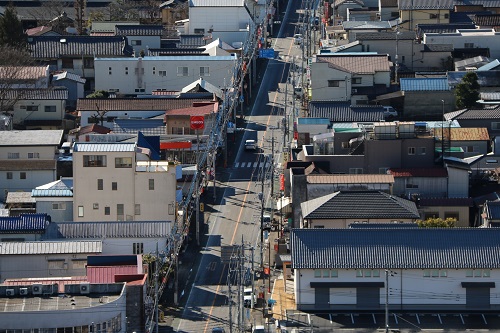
(387, 273)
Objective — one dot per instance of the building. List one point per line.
(118, 182)
(73, 83)
(342, 208)
(142, 76)
(27, 159)
(55, 199)
(467, 38)
(433, 269)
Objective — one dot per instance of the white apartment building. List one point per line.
(468, 38)
(141, 76)
(118, 182)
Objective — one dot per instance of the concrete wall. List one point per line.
(411, 18)
(427, 105)
(63, 214)
(458, 183)
(344, 223)
(427, 187)
(320, 74)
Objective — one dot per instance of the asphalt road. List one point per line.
(235, 215)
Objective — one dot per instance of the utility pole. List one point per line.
(272, 164)
(230, 300)
(386, 301)
(252, 305)
(196, 187)
(213, 162)
(241, 284)
(156, 287)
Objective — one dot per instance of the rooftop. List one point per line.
(358, 64)
(103, 147)
(31, 138)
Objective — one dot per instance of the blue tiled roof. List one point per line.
(425, 84)
(26, 223)
(405, 248)
(55, 47)
(133, 126)
(344, 112)
(493, 209)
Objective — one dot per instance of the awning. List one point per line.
(282, 202)
(176, 145)
(478, 284)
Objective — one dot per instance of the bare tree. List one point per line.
(49, 12)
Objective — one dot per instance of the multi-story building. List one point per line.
(118, 182)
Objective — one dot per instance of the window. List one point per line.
(491, 161)
(137, 209)
(9, 175)
(58, 206)
(356, 80)
(154, 70)
(410, 185)
(317, 273)
(205, 71)
(495, 125)
(100, 184)
(114, 186)
(67, 63)
(451, 215)
(326, 273)
(123, 162)
(140, 90)
(22, 175)
(12, 156)
(367, 273)
(383, 171)
(162, 73)
(421, 150)
(471, 149)
(107, 211)
(431, 215)
(94, 160)
(88, 62)
(79, 263)
(469, 45)
(95, 205)
(120, 211)
(411, 150)
(446, 16)
(33, 155)
(355, 171)
(182, 71)
(80, 211)
(345, 145)
(433, 16)
(32, 108)
(138, 248)
(136, 42)
(110, 71)
(199, 31)
(50, 108)
(126, 70)
(435, 273)
(333, 83)
(151, 184)
(56, 264)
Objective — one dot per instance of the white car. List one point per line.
(297, 39)
(259, 329)
(247, 297)
(390, 112)
(250, 145)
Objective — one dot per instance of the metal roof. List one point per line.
(31, 138)
(56, 47)
(424, 84)
(425, 4)
(103, 147)
(355, 25)
(24, 223)
(160, 59)
(492, 209)
(350, 179)
(396, 248)
(99, 230)
(216, 3)
(50, 247)
(359, 204)
(69, 76)
(344, 112)
(490, 66)
(313, 121)
(386, 35)
(145, 126)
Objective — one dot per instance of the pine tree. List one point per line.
(11, 30)
(467, 91)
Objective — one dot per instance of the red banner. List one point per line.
(197, 122)
(282, 182)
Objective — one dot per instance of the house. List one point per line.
(426, 98)
(73, 83)
(340, 209)
(416, 12)
(424, 182)
(118, 237)
(490, 215)
(344, 112)
(141, 76)
(81, 133)
(27, 159)
(340, 8)
(473, 38)
(55, 199)
(76, 53)
(410, 55)
(105, 111)
(39, 108)
(354, 27)
(388, 10)
(25, 77)
(19, 203)
(350, 77)
(204, 14)
(487, 117)
(473, 141)
(141, 37)
(457, 208)
(353, 269)
(147, 188)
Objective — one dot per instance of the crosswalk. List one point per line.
(249, 164)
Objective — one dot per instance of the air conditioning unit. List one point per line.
(84, 288)
(23, 291)
(36, 289)
(10, 292)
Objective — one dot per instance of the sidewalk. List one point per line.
(285, 300)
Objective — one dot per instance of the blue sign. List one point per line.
(266, 53)
(242, 98)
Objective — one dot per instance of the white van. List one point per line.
(250, 145)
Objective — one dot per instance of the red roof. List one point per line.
(198, 109)
(419, 172)
(106, 274)
(94, 128)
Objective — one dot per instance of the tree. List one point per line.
(438, 222)
(467, 91)
(123, 10)
(99, 94)
(11, 30)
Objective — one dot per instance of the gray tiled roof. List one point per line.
(385, 35)
(425, 4)
(344, 112)
(31, 138)
(405, 248)
(359, 204)
(486, 113)
(139, 30)
(57, 93)
(487, 20)
(139, 104)
(438, 48)
(100, 230)
(55, 47)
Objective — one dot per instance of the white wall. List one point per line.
(320, 74)
(479, 38)
(234, 18)
(123, 76)
(21, 114)
(122, 246)
(45, 152)
(458, 183)
(147, 42)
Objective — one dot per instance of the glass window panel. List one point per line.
(486, 273)
(469, 273)
(317, 273)
(326, 273)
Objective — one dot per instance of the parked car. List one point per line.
(247, 297)
(297, 39)
(298, 92)
(259, 329)
(218, 330)
(390, 112)
(266, 222)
